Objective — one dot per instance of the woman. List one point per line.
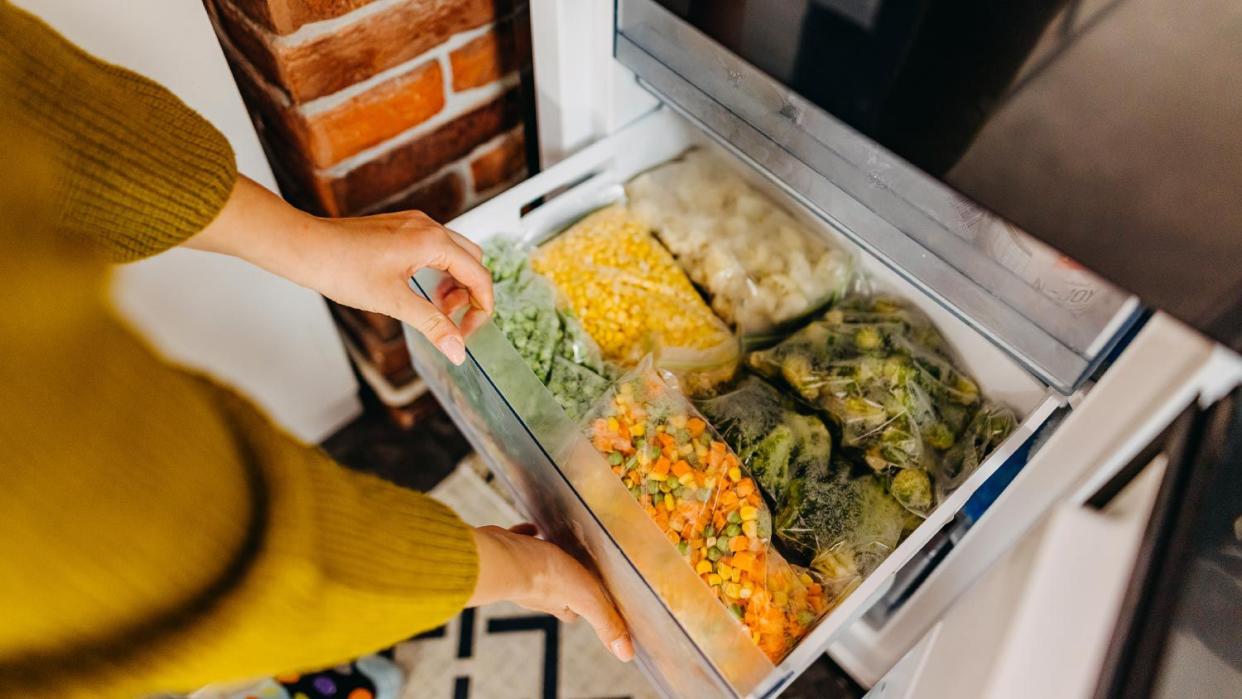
(158, 533)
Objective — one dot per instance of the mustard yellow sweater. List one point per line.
(156, 531)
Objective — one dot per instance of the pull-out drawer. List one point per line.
(687, 641)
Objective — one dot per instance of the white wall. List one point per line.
(271, 339)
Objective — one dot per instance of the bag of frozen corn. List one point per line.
(550, 339)
(760, 267)
(882, 372)
(634, 300)
(697, 492)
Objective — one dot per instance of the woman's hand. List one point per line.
(517, 567)
(363, 262)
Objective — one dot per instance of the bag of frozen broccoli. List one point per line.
(759, 266)
(701, 497)
(633, 300)
(842, 525)
(549, 338)
(775, 442)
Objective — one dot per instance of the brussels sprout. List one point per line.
(913, 489)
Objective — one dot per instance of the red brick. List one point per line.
(375, 115)
(407, 163)
(358, 50)
(501, 164)
(441, 199)
(484, 60)
(285, 16)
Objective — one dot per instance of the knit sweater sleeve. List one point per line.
(141, 171)
(159, 532)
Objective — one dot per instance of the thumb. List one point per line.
(434, 325)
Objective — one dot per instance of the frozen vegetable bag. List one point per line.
(882, 372)
(694, 488)
(759, 265)
(548, 337)
(633, 299)
(775, 441)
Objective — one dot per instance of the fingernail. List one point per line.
(453, 348)
(623, 649)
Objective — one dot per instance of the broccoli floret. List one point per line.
(769, 460)
(814, 440)
(912, 488)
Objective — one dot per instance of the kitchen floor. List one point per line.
(499, 652)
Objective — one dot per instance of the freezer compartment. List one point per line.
(689, 643)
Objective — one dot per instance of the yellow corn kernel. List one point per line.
(750, 529)
(668, 502)
(613, 425)
(725, 571)
(713, 579)
(653, 476)
(686, 478)
(806, 579)
(638, 430)
(732, 589)
(704, 566)
(735, 474)
(749, 513)
(735, 575)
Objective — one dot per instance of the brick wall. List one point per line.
(377, 105)
(367, 106)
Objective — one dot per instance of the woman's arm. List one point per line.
(360, 262)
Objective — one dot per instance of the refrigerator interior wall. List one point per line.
(571, 468)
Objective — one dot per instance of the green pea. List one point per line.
(714, 554)
(733, 530)
(734, 517)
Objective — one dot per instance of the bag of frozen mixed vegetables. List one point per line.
(633, 299)
(775, 441)
(549, 338)
(881, 371)
(701, 497)
(760, 267)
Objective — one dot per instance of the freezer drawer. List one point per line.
(687, 641)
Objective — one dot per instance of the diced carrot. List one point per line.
(743, 560)
(728, 499)
(739, 543)
(681, 468)
(661, 466)
(718, 520)
(745, 487)
(695, 426)
(600, 425)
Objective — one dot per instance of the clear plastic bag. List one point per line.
(760, 267)
(843, 525)
(698, 493)
(882, 372)
(550, 339)
(775, 442)
(633, 299)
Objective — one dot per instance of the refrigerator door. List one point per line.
(1052, 315)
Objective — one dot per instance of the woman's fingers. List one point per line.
(434, 325)
(448, 256)
(470, 246)
(588, 599)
